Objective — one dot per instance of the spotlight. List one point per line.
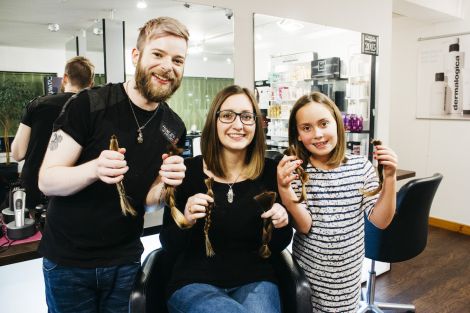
(186, 5)
(53, 27)
(141, 4)
(97, 31)
(228, 13)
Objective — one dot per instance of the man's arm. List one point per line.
(20, 144)
(59, 176)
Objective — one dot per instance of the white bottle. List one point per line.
(466, 91)
(455, 64)
(438, 95)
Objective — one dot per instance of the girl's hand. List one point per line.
(388, 158)
(285, 170)
(196, 207)
(278, 215)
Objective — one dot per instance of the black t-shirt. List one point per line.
(235, 233)
(88, 229)
(39, 115)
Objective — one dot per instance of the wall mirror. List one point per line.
(36, 39)
(293, 58)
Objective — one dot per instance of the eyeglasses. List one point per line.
(227, 117)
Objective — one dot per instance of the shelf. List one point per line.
(306, 80)
(455, 117)
(280, 137)
(357, 99)
(361, 132)
(284, 145)
(278, 118)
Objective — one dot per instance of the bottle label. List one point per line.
(456, 92)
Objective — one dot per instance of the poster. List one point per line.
(443, 80)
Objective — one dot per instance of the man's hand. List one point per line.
(172, 170)
(111, 166)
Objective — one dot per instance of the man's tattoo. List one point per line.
(55, 139)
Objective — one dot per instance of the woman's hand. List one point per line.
(285, 171)
(388, 158)
(278, 215)
(196, 207)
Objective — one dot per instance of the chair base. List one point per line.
(368, 303)
(378, 306)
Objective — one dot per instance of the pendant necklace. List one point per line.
(140, 135)
(230, 193)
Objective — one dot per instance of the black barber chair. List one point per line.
(403, 239)
(148, 294)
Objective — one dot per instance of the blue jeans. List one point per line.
(88, 290)
(258, 297)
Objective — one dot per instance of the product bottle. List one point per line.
(455, 64)
(438, 95)
(466, 91)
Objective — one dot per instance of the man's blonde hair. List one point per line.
(162, 26)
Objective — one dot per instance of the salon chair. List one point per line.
(274, 154)
(148, 294)
(403, 239)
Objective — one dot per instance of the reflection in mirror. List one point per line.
(29, 51)
(294, 58)
(94, 49)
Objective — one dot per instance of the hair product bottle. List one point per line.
(466, 91)
(438, 95)
(455, 64)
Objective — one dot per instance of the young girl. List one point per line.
(329, 242)
(219, 265)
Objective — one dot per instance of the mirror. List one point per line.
(32, 49)
(294, 58)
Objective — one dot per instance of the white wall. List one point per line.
(32, 60)
(429, 146)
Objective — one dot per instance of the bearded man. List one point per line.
(91, 241)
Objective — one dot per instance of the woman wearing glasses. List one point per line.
(221, 265)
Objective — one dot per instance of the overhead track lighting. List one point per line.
(53, 27)
(290, 25)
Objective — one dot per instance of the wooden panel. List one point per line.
(452, 226)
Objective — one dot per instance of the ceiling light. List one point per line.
(141, 4)
(229, 60)
(97, 31)
(289, 25)
(205, 59)
(53, 27)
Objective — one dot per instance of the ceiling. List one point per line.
(24, 23)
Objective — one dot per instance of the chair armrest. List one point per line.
(151, 281)
(293, 285)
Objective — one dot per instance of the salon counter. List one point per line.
(28, 251)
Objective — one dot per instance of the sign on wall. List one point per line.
(369, 44)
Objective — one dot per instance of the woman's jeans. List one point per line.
(88, 290)
(258, 297)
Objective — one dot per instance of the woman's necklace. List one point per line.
(140, 135)
(230, 193)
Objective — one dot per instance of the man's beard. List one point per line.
(144, 85)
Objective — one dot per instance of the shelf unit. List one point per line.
(295, 75)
